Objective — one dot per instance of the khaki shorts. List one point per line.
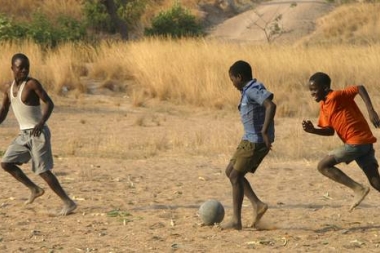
(248, 156)
(27, 147)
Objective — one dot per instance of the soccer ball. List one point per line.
(211, 212)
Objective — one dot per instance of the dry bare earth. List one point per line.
(136, 193)
(296, 22)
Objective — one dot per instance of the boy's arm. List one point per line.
(309, 128)
(47, 108)
(270, 111)
(373, 116)
(5, 104)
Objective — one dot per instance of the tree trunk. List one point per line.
(121, 26)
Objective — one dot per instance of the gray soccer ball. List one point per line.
(211, 212)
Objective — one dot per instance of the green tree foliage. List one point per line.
(42, 30)
(131, 11)
(99, 20)
(175, 22)
(97, 17)
(10, 30)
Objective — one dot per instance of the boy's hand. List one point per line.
(374, 117)
(37, 130)
(308, 126)
(267, 141)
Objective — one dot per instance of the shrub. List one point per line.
(47, 33)
(43, 31)
(175, 22)
(99, 20)
(70, 29)
(97, 17)
(9, 30)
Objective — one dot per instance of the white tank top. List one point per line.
(26, 115)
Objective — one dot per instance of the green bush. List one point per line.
(70, 29)
(132, 11)
(43, 31)
(9, 30)
(98, 19)
(47, 33)
(175, 22)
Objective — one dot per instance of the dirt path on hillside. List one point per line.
(298, 19)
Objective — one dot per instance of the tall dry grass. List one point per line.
(23, 9)
(195, 72)
(192, 72)
(353, 23)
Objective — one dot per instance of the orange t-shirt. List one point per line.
(340, 112)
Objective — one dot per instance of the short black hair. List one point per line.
(243, 68)
(19, 56)
(320, 79)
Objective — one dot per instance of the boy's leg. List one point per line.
(247, 157)
(372, 173)
(237, 183)
(327, 167)
(259, 207)
(370, 166)
(52, 181)
(17, 173)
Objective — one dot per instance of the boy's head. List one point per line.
(20, 66)
(240, 73)
(319, 86)
(19, 56)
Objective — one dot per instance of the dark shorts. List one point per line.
(364, 155)
(248, 156)
(27, 147)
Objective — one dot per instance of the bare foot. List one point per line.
(261, 210)
(67, 208)
(35, 193)
(231, 225)
(359, 196)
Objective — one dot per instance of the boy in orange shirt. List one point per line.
(339, 113)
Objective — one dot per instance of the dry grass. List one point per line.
(23, 9)
(96, 127)
(196, 71)
(7, 50)
(354, 23)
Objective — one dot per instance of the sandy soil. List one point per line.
(131, 201)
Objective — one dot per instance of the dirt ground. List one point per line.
(132, 201)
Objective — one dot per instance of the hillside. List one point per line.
(293, 20)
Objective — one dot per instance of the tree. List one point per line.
(175, 22)
(114, 16)
(120, 24)
(272, 27)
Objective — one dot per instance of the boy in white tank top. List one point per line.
(33, 143)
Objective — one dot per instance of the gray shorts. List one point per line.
(364, 154)
(27, 147)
